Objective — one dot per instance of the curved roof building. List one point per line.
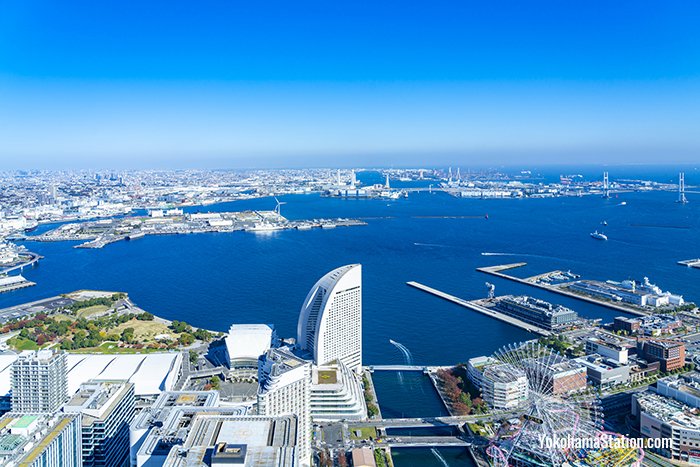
(330, 322)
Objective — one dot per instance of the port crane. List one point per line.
(491, 289)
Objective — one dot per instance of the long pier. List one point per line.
(481, 309)
(531, 281)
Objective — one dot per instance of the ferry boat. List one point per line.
(599, 235)
(264, 227)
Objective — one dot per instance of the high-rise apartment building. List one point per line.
(39, 381)
(107, 408)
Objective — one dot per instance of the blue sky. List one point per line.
(231, 84)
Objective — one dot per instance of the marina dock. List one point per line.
(558, 289)
(10, 283)
(475, 306)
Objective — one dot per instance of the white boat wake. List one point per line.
(406, 354)
(439, 457)
(404, 350)
(487, 253)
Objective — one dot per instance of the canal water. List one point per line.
(411, 394)
(432, 457)
(407, 394)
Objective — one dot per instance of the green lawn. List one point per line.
(91, 310)
(145, 331)
(367, 432)
(113, 348)
(21, 343)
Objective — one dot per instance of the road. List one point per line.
(33, 258)
(426, 441)
(432, 421)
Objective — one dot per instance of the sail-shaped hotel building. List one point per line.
(330, 322)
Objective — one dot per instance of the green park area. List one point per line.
(95, 325)
(363, 432)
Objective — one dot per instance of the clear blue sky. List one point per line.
(229, 83)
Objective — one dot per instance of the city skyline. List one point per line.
(296, 86)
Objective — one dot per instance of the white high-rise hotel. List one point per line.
(330, 322)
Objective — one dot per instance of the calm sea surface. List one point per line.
(214, 280)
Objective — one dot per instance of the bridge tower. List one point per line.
(606, 185)
(681, 189)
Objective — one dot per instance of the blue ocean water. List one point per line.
(214, 280)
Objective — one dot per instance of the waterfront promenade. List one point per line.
(475, 306)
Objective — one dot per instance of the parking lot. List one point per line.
(47, 305)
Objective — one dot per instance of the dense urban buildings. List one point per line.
(666, 418)
(559, 376)
(40, 440)
(222, 440)
(603, 371)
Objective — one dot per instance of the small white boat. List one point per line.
(599, 235)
